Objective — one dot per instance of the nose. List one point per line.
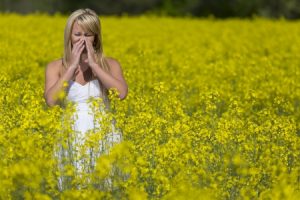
(80, 38)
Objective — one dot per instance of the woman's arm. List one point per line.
(113, 80)
(53, 81)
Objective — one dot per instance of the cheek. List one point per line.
(74, 39)
(91, 39)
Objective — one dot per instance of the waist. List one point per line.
(88, 106)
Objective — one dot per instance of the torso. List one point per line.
(79, 78)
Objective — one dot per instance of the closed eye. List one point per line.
(86, 34)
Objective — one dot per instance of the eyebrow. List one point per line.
(77, 32)
(87, 34)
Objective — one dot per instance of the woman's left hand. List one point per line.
(91, 54)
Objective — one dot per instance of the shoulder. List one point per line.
(55, 63)
(115, 69)
(54, 66)
(113, 63)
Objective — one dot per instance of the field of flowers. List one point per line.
(213, 110)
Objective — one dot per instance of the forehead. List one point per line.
(77, 27)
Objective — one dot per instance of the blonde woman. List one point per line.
(86, 70)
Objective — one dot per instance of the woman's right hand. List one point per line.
(75, 54)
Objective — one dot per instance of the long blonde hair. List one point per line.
(89, 21)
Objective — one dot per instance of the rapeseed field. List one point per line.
(213, 110)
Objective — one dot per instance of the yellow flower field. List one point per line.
(213, 110)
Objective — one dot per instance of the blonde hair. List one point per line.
(89, 21)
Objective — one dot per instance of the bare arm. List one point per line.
(54, 83)
(113, 80)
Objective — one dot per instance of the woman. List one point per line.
(88, 73)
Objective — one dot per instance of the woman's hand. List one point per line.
(90, 51)
(75, 54)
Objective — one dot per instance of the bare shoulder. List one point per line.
(114, 63)
(116, 69)
(54, 66)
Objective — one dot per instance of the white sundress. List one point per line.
(83, 119)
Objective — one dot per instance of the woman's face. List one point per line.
(79, 34)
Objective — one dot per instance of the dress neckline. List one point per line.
(84, 84)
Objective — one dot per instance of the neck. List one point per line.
(86, 72)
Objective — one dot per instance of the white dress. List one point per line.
(84, 122)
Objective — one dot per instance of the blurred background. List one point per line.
(289, 9)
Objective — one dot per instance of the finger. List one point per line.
(77, 54)
(89, 46)
(87, 42)
(77, 45)
(81, 49)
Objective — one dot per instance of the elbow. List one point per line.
(123, 94)
(122, 97)
(49, 101)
